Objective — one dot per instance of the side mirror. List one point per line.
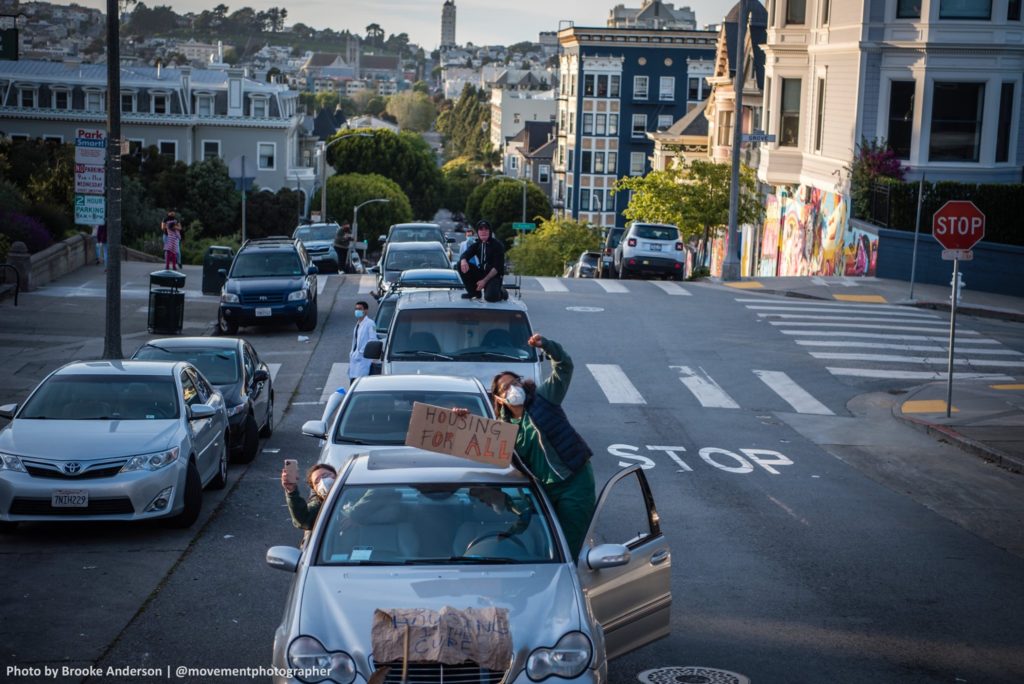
(8, 410)
(373, 269)
(312, 270)
(373, 349)
(223, 272)
(200, 411)
(450, 240)
(283, 558)
(260, 376)
(315, 428)
(607, 556)
(382, 238)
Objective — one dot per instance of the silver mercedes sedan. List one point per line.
(113, 440)
(417, 534)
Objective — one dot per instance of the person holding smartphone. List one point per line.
(320, 478)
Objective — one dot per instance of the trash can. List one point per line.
(215, 259)
(166, 302)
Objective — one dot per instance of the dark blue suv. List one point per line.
(270, 280)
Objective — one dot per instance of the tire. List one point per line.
(224, 326)
(250, 441)
(308, 321)
(268, 428)
(221, 478)
(193, 497)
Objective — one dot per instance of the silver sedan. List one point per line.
(417, 533)
(113, 440)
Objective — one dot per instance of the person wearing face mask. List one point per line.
(304, 511)
(365, 331)
(547, 443)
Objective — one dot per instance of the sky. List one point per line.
(483, 22)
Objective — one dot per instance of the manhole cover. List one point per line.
(584, 309)
(690, 675)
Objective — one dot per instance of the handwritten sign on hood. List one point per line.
(450, 636)
(480, 439)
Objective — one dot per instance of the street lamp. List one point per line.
(355, 219)
(322, 150)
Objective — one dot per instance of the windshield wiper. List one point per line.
(349, 440)
(157, 346)
(460, 559)
(428, 354)
(487, 354)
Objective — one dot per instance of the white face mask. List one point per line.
(515, 395)
(324, 486)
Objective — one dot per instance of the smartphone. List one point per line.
(291, 467)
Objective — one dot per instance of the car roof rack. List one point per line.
(269, 240)
(515, 286)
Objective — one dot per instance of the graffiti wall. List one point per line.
(768, 264)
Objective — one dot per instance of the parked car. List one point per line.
(235, 370)
(270, 280)
(611, 241)
(586, 265)
(113, 440)
(318, 239)
(376, 410)
(438, 332)
(419, 530)
(402, 256)
(650, 249)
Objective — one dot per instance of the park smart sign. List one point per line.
(958, 225)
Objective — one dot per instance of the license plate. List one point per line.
(70, 498)
(646, 262)
(654, 247)
(263, 311)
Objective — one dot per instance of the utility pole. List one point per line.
(112, 333)
(731, 263)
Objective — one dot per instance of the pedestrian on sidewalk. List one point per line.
(484, 280)
(365, 331)
(171, 228)
(101, 245)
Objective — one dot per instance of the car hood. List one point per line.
(318, 244)
(274, 284)
(484, 371)
(338, 602)
(86, 440)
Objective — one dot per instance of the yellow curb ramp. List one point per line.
(1010, 388)
(747, 285)
(926, 406)
(871, 299)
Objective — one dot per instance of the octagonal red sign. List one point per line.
(958, 224)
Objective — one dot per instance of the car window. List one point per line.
(614, 237)
(250, 364)
(436, 524)
(103, 397)
(385, 312)
(315, 233)
(189, 392)
(624, 517)
(260, 264)
(400, 260)
(416, 235)
(655, 232)
(383, 417)
(462, 334)
(205, 391)
(220, 366)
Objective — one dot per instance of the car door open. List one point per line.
(632, 596)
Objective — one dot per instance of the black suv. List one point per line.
(271, 279)
(606, 267)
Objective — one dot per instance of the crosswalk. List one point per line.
(885, 341)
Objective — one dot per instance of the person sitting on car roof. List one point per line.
(484, 280)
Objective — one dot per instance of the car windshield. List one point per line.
(383, 417)
(103, 397)
(385, 312)
(477, 334)
(655, 232)
(314, 233)
(257, 264)
(614, 237)
(400, 260)
(436, 524)
(415, 235)
(589, 259)
(220, 366)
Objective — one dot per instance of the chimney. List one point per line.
(235, 101)
(159, 70)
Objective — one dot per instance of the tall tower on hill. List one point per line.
(448, 24)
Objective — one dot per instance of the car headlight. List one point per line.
(297, 296)
(235, 410)
(154, 461)
(12, 463)
(314, 663)
(568, 658)
(228, 298)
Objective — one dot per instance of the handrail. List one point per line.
(17, 281)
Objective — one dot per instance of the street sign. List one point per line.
(524, 226)
(758, 137)
(954, 254)
(958, 225)
(89, 180)
(90, 210)
(91, 146)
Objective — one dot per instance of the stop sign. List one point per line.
(958, 224)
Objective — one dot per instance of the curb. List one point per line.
(990, 454)
(978, 311)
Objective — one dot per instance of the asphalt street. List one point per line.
(815, 538)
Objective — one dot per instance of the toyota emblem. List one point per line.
(263, 298)
(72, 468)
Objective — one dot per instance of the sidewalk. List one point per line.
(985, 419)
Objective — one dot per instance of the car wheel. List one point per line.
(8, 526)
(268, 428)
(221, 478)
(308, 321)
(225, 326)
(250, 441)
(193, 498)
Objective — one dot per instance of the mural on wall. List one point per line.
(770, 238)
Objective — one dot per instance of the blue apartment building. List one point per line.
(616, 86)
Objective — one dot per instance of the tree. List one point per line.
(376, 105)
(328, 100)
(414, 111)
(397, 43)
(503, 205)
(421, 87)
(345, 192)
(466, 127)
(461, 176)
(140, 220)
(267, 212)
(545, 251)
(271, 73)
(405, 158)
(476, 198)
(375, 35)
(211, 197)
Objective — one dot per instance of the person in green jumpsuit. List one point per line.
(546, 443)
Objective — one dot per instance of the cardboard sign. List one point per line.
(480, 439)
(450, 636)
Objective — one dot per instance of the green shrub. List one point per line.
(55, 219)
(11, 197)
(699, 272)
(193, 251)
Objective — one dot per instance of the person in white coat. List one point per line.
(365, 331)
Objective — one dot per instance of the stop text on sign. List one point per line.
(958, 225)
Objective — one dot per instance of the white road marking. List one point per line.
(848, 344)
(914, 375)
(887, 326)
(879, 336)
(615, 385)
(818, 280)
(790, 301)
(613, 286)
(552, 284)
(706, 390)
(670, 288)
(835, 310)
(338, 377)
(274, 368)
(367, 283)
(321, 283)
(794, 395)
(931, 360)
(858, 318)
